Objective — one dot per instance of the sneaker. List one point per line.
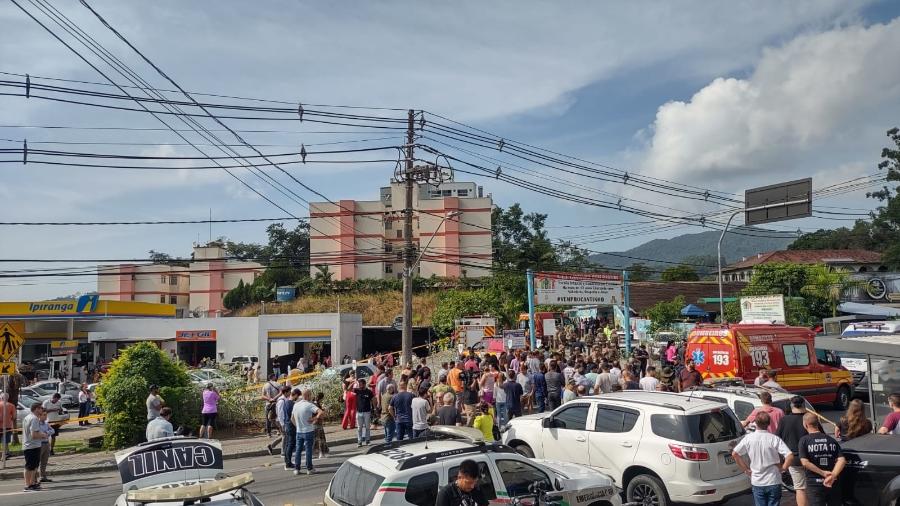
(287, 467)
(310, 472)
(297, 472)
(36, 486)
(46, 480)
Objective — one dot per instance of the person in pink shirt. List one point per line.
(210, 410)
(775, 413)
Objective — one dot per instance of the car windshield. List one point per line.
(711, 427)
(46, 389)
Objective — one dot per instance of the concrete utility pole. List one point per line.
(410, 175)
(408, 251)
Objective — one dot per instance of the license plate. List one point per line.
(729, 459)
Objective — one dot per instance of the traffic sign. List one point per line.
(10, 342)
(7, 368)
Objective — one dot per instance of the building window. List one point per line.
(435, 194)
(173, 280)
(223, 274)
(389, 268)
(447, 193)
(795, 355)
(462, 193)
(173, 299)
(399, 234)
(388, 247)
(163, 279)
(162, 299)
(388, 224)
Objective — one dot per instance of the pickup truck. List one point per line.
(872, 476)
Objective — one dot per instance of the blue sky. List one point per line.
(717, 95)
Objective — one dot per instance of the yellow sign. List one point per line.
(7, 368)
(85, 306)
(63, 344)
(10, 342)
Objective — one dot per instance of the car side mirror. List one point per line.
(547, 422)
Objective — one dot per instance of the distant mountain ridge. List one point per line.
(661, 251)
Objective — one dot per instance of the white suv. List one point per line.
(411, 472)
(659, 447)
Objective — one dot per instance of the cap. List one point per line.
(154, 387)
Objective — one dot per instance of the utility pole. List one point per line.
(408, 252)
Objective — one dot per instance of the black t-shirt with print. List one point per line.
(822, 450)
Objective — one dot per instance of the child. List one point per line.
(320, 443)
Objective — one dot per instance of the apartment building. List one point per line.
(195, 290)
(364, 239)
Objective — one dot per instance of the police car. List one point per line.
(411, 472)
(180, 470)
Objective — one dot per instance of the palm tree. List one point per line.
(323, 278)
(828, 283)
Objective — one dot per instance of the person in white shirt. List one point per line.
(649, 381)
(420, 409)
(53, 405)
(769, 457)
(616, 373)
(160, 426)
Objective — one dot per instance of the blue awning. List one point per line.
(692, 310)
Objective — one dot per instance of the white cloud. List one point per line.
(815, 103)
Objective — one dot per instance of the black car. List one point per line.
(872, 476)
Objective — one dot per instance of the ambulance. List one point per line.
(741, 350)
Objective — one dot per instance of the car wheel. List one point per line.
(525, 450)
(842, 401)
(647, 490)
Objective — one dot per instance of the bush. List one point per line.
(123, 393)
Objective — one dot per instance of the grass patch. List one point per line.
(63, 446)
(377, 308)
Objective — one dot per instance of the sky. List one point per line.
(717, 96)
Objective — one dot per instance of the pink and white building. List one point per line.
(364, 239)
(197, 289)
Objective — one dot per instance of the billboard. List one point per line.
(577, 288)
(778, 202)
(768, 308)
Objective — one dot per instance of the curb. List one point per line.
(102, 467)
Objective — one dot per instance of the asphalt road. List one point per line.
(274, 485)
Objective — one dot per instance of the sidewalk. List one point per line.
(248, 446)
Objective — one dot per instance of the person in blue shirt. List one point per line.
(514, 393)
(289, 440)
(540, 388)
(401, 410)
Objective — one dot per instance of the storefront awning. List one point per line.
(300, 336)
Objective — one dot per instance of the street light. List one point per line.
(407, 292)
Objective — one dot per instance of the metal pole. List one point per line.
(719, 263)
(529, 276)
(408, 247)
(627, 312)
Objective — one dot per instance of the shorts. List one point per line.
(209, 420)
(32, 459)
(798, 477)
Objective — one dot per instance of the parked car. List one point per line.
(411, 472)
(741, 398)
(872, 475)
(659, 447)
(66, 400)
(69, 388)
(54, 418)
(204, 377)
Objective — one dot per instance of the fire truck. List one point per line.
(471, 330)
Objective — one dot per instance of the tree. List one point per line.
(860, 236)
(164, 258)
(886, 222)
(680, 273)
(123, 393)
(521, 242)
(639, 272)
(664, 313)
(828, 284)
